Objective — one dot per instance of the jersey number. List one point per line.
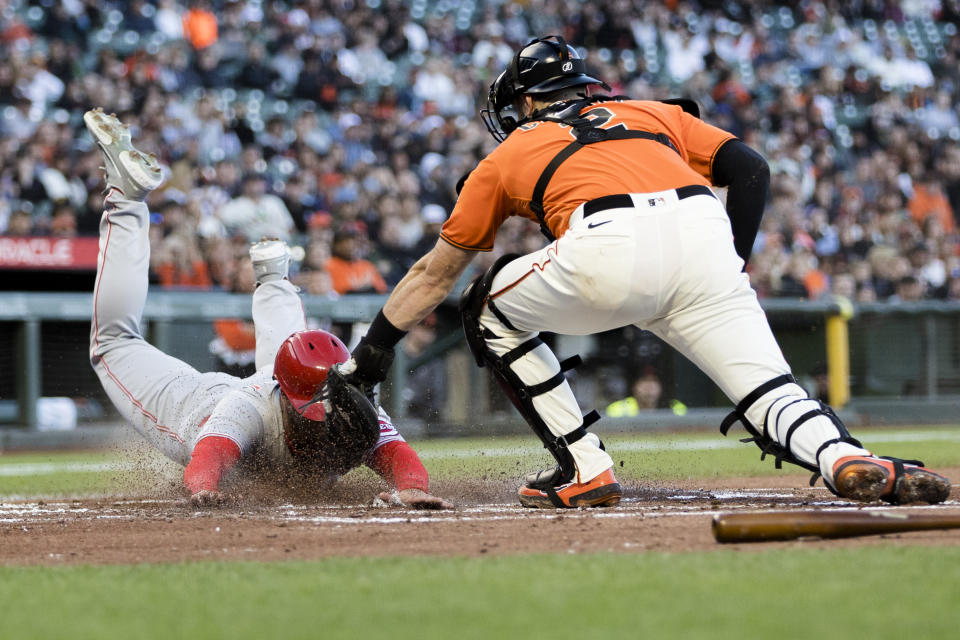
(599, 117)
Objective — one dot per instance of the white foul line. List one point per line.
(30, 513)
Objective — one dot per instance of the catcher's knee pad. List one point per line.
(477, 294)
(784, 419)
(521, 394)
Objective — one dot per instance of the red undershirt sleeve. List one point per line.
(399, 464)
(212, 457)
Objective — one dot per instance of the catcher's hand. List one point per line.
(368, 365)
(415, 498)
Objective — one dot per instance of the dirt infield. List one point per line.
(486, 521)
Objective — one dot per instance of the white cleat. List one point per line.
(134, 173)
(271, 260)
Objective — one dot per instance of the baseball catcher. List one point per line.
(294, 410)
(622, 191)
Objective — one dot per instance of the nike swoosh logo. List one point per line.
(594, 225)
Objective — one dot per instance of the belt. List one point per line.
(624, 201)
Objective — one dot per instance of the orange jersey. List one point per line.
(200, 28)
(354, 276)
(927, 203)
(502, 184)
(239, 335)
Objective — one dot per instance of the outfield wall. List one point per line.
(904, 359)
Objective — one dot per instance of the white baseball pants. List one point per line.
(667, 265)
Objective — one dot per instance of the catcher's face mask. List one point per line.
(501, 115)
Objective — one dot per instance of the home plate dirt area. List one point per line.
(486, 521)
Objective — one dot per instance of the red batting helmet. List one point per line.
(301, 368)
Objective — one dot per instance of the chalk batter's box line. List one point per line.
(14, 513)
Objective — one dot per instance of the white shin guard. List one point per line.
(534, 380)
(590, 457)
(806, 431)
(557, 407)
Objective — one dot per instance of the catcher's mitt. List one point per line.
(347, 434)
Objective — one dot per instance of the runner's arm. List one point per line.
(211, 459)
(400, 465)
(397, 463)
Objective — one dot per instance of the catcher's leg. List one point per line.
(151, 390)
(720, 326)
(533, 379)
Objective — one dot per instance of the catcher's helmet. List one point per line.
(542, 66)
(301, 368)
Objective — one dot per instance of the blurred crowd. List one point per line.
(344, 125)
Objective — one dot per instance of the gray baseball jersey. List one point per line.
(171, 404)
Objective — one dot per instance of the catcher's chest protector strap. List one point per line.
(585, 134)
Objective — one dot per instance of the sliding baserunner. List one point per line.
(209, 422)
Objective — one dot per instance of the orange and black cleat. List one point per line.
(870, 478)
(602, 491)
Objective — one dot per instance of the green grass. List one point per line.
(876, 592)
(804, 594)
(61, 485)
(78, 474)
(645, 458)
(674, 456)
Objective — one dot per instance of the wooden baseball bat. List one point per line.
(789, 525)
